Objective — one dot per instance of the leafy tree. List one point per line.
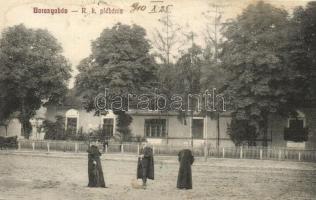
(188, 69)
(302, 49)
(255, 52)
(241, 131)
(214, 75)
(33, 70)
(120, 61)
(187, 82)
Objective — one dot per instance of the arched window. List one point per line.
(297, 122)
(296, 130)
(72, 121)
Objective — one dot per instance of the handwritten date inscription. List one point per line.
(154, 7)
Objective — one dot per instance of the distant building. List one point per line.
(156, 127)
(166, 128)
(296, 131)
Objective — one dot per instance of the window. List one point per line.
(72, 125)
(197, 128)
(155, 128)
(295, 130)
(296, 123)
(72, 121)
(108, 126)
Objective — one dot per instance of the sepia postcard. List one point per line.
(157, 99)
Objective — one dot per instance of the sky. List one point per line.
(75, 30)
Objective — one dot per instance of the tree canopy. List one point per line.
(265, 54)
(120, 61)
(254, 54)
(302, 50)
(33, 71)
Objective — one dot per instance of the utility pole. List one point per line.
(216, 24)
(190, 37)
(191, 86)
(213, 37)
(167, 40)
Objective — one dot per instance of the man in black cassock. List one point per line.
(186, 159)
(95, 172)
(145, 166)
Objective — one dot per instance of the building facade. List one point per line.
(167, 128)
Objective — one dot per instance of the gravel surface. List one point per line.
(64, 176)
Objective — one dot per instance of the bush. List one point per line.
(241, 131)
(56, 131)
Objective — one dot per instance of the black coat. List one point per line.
(145, 165)
(95, 172)
(186, 159)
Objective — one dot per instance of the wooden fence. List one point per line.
(199, 151)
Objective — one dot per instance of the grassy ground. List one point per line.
(64, 177)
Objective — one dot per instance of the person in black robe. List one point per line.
(186, 159)
(95, 172)
(145, 166)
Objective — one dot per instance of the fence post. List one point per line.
(299, 156)
(280, 154)
(76, 147)
(19, 146)
(260, 154)
(223, 152)
(48, 147)
(153, 150)
(240, 152)
(122, 148)
(33, 146)
(106, 148)
(205, 152)
(138, 149)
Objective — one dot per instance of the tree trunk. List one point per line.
(24, 120)
(265, 131)
(23, 117)
(6, 130)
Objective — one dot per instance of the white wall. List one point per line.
(13, 129)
